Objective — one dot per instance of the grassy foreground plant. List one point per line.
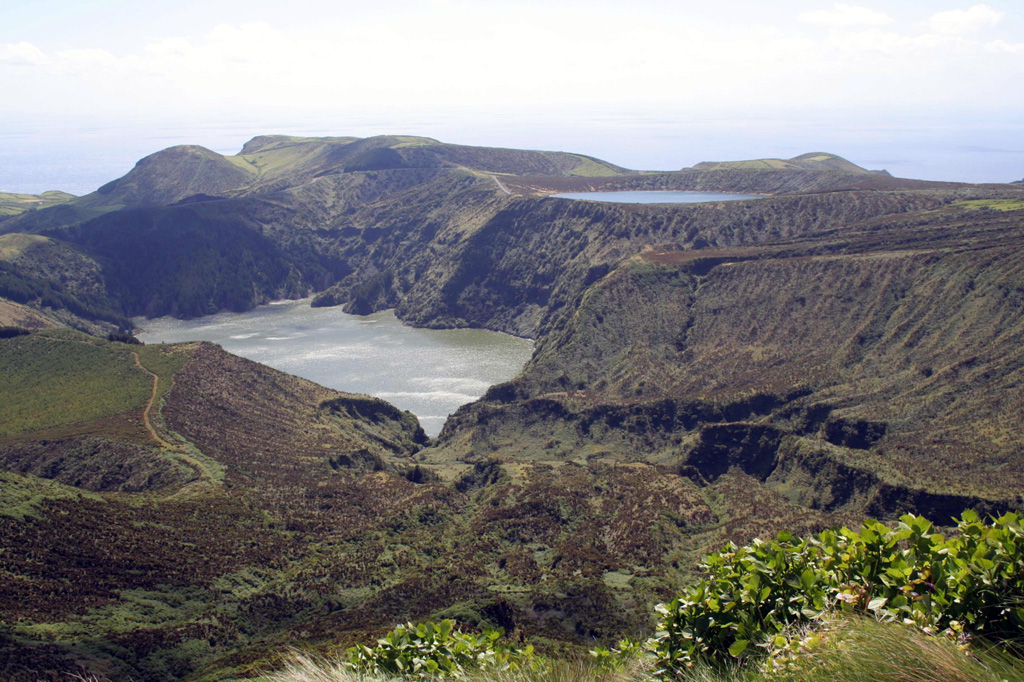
(858, 649)
(840, 648)
(972, 583)
(437, 649)
(304, 668)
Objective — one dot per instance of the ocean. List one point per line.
(79, 155)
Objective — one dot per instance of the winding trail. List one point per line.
(208, 473)
(149, 405)
(501, 185)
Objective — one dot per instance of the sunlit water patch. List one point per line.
(658, 197)
(426, 371)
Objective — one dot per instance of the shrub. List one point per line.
(11, 332)
(751, 596)
(436, 649)
(123, 337)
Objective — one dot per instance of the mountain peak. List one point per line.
(174, 173)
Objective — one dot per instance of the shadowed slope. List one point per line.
(56, 283)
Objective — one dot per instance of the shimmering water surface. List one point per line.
(428, 372)
(655, 197)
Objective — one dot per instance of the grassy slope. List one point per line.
(73, 412)
(211, 528)
(48, 386)
(16, 204)
(19, 315)
(276, 162)
(819, 161)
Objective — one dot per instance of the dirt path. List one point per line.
(149, 405)
(208, 473)
(501, 185)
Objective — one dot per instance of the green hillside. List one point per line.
(124, 461)
(270, 163)
(262, 504)
(47, 387)
(189, 232)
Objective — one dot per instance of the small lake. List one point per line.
(658, 197)
(426, 371)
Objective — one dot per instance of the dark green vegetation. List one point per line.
(844, 650)
(436, 649)
(145, 552)
(754, 598)
(849, 345)
(45, 282)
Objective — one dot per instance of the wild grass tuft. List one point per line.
(862, 650)
(306, 668)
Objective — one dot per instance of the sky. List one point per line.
(656, 83)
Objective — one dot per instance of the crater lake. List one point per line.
(429, 372)
(654, 197)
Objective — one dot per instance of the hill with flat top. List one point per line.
(812, 161)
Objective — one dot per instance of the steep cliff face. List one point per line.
(891, 347)
(518, 265)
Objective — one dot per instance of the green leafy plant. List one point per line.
(620, 657)
(752, 596)
(437, 650)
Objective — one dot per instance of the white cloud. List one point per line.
(22, 53)
(84, 59)
(1003, 47)
(169, 48)
(861, 44)
(533, 57)
(965, 21)
(846, 15)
